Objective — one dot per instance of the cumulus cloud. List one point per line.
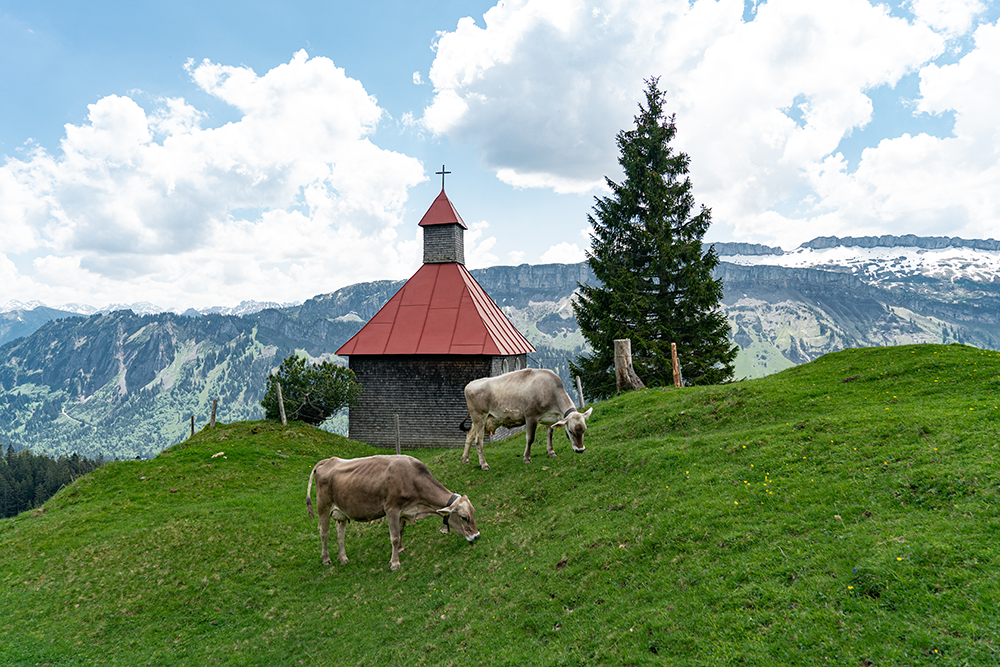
(564, 253)
(537, 89)
(143, 202)
(762, 106)
(516, 257)
(952, 17)
(478, 246)
(931, 185)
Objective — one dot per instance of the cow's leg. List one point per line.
(469, 437)
(480, 437)
(476, 434)
(324, 533)
(548, 441)
(341, 552)
(529, 429)
(395, 536)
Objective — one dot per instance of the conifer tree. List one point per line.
(656, 285)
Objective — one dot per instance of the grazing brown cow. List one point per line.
(398, 487)
(531, 396)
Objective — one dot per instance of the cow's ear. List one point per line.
(587, 413)
(446, 510)
(560, 423)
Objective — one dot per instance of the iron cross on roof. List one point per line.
(442, 172)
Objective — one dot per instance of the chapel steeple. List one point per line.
(444, 230)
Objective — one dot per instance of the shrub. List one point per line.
(311, 392)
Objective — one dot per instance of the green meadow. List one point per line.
(842, 512)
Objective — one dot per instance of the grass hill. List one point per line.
(845, 511)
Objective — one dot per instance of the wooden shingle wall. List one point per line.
(426, 391)
(444, 244)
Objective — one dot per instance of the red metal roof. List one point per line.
(441, 212)
(440, 310)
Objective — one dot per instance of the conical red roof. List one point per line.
(441, 212)
(440, 310)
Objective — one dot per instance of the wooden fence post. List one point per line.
(192, 426)
(677, 366)
(397, 435)
(579, 391)
(625, 377)
(215, 404)
(281, 406)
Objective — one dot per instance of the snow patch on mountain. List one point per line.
(885, 264)
(145, 308)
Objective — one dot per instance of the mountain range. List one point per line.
(126, 382)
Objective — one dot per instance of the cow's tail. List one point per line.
(463, 425)
(309, 502)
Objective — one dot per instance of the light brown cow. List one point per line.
(531, 396)
(398, 487)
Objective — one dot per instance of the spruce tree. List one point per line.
(656, 285)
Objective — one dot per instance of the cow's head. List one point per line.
(461, 518)
(576, 425)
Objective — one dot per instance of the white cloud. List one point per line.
(21, 212)
(141, 202)
(516, 257)
(952, 17)
(542, 89)
(558, 184)
(931, 185)
(762, 106)
(478, 246)
(176, 116)
(563, 253)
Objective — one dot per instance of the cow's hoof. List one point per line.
(343, 561)
(465, 460)
(552, 453)
(484, 467)
(393, 568)
(327, 561)
(527, 459)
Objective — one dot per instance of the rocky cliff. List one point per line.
(517, 286)
(905, 241)
(749, 249)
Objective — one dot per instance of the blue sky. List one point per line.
(197, 154)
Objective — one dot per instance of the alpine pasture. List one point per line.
(843, 512)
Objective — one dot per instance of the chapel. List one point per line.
(439, 332)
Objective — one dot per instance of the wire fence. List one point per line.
(558, 363)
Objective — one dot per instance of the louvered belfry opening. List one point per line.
(439, 332)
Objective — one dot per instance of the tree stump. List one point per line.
(625, 377)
